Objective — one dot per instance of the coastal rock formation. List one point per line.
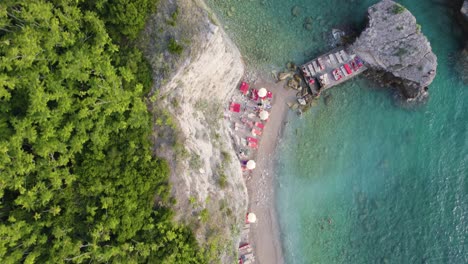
(205, 172)
(464, 9)
(393, 45)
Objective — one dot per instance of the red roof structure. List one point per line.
(235, 107)
(244, 88)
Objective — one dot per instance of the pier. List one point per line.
(331, 69)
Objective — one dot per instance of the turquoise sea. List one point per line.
(364, 178)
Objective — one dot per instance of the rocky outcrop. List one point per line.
(393, 44)
(464, 10)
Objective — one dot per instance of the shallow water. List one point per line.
(362, 179)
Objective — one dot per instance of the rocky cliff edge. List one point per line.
(394, 44)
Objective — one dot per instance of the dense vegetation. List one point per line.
(78, 181)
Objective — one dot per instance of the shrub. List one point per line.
(398, 9)
(174, 47)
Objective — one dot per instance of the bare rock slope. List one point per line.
(195, 87)
(394, 44)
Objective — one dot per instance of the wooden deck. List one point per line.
(329, 70)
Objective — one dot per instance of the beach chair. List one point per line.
(256, 132)
(311, 69)
(343, 70)
(254, 96)
(269, 95)
(252, 145)
(344, 55)
(252, 140)
(244, 88)
(332, 59)
(247, 122)
(338, 57)
(316, 67)
(259, 125)
(321, 64)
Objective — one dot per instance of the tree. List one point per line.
(78, 178)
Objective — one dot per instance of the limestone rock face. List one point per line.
(393, 44)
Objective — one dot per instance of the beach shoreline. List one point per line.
(261, 183)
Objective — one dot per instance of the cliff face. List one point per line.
(206, 175)
(393, 44)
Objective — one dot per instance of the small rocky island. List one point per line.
(394, 48)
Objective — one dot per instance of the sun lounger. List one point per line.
(337, 74)
(344, 55)
(338, 57)
(348, 69)
(321, 64)
(316, 67)
(253, 145)
(244, 88)
(259, 125)
(254, 95)
(332, 59)
(247, 122)
(245, 249)
(343, 70)
(252, 140)
(311, 69)
(243, 142)
(256, 132)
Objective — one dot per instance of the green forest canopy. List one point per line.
(78, 179)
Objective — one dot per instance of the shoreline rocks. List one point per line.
(394, 47)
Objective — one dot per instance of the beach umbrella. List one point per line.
(251, 218)
(262, 92)
(264, 115)
(251, 164)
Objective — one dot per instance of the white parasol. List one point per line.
(251, 164)
(262, 92)
(264, 115)
(251, 218)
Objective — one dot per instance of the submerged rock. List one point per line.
(393, 44)
(462, 65)
(296, 11)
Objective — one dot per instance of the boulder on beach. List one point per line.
(284, 75)
(394, 44)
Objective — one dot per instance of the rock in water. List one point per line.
(284, 75)
(296, 11)
(393, 43)
(464, 10)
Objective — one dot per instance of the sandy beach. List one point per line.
(265, 234)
